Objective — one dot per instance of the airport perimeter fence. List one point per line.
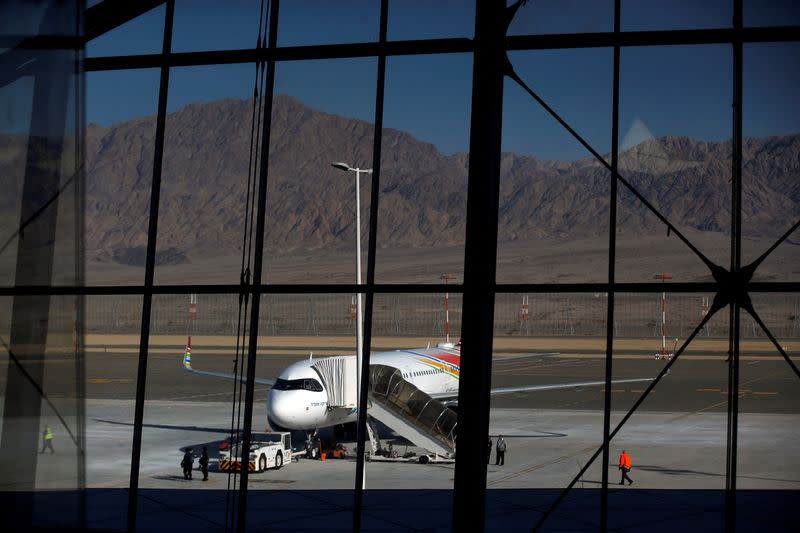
(423, 315)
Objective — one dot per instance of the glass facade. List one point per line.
(392, 229)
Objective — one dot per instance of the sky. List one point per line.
(684, 90)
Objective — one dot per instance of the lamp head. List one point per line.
(341, 166)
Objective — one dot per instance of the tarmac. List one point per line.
(677, 441)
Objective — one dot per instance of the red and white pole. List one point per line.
(446, 278)
(524, 310)
(663, 353)
(190, 324)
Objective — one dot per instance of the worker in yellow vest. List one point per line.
(47, 439)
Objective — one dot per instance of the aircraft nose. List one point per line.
(290, 409)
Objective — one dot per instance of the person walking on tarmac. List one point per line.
(204, 463)
(187, 463)
(47, 439)
(489, 451)
(500, 450)
(625, 467)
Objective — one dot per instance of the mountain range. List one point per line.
(422, 197)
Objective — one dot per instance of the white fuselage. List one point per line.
(299, 401)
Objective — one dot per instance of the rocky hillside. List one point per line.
(422, 195)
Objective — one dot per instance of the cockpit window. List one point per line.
(298, 384)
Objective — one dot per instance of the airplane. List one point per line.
(298, 399)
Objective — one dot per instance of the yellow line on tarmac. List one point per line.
(766, 393)
(708, 390)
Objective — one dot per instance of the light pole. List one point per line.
(359, 327)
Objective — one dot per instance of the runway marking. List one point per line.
(723, 402)
(101, 381)
(753, 362)
(715, 389)
(614, 391)
(765, 393)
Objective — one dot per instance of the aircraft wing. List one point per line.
(533, 388)
(187, 365)
(523, 356)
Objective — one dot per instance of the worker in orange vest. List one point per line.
(625, 467)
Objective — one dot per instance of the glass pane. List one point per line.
(112, 358)
(142, 35)
(676, 439)
(183, 410)
(204, 175)
(413, 359)
(770, 176)
(422, 209)
(311, 205)
(675, 151)
(560, 16)
(14, 128)
(418, 19)
(119, 166)
(42, 335)
(549, 349)
(554, 195)
(771, 13)
(638, 15)
(210, 25)
(768, 419)
(321, 22)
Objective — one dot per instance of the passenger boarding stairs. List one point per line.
(410, 412)
(395, 402)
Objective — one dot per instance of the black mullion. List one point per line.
(736, 264)
(652, 38)
(155, 192)
(392, 288)
(612, 254)
(446, 46)
(480, 264)
(366, 345)
(258, 260)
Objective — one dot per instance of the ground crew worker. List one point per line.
(625, 467)
(187, 463)
(500, 450)
(47, 439)
(489, 451)
(204, 463)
